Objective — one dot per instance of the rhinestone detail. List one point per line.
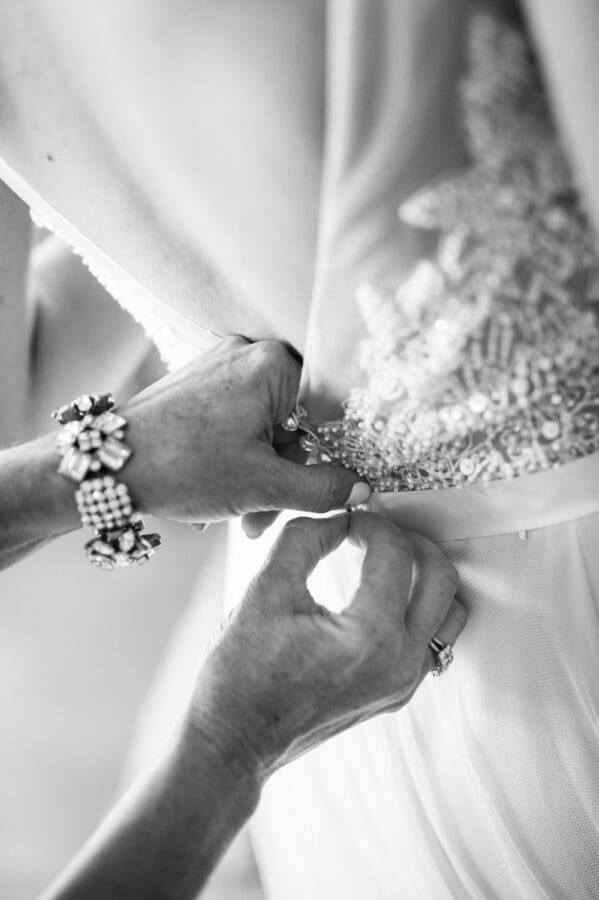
(89, 442)
(484, 363)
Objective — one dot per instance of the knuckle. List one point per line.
(397, 541)
(325, 497)
(461, 614)
(269, 495)
(298, 525)
(443, 571)
(395, 533)
(295, 530)
(428, 550)
(256, 359)
(231, 348)
(266, 481)
(450, 571)
(272, 353)
(233, 340)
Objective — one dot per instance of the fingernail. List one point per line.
(359, 494)
(200, 527)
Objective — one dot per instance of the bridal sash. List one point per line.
(514, 506)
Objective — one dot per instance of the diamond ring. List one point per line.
(443, 654)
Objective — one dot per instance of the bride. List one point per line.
(240, 167)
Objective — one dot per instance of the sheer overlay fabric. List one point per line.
(485, 786)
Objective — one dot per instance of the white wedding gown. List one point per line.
(450, 356)
(476, 365)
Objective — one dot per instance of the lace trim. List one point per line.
(170, 338)
(484, 364)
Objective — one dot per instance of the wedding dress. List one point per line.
(450, 356)
(473, 412)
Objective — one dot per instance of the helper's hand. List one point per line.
(284, 676)
(286, 673)
(205, 440)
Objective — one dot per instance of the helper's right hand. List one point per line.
(206, 446)
(286, 673)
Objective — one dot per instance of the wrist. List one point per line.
(60, 494)
(214, 726)
(91, 444)
(237, 760)
(142, 480)
(40, 503)
(235, 770)
(168, 833)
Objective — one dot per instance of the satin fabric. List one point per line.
(182, 140)
(206, 160)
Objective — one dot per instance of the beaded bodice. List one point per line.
(484, 363)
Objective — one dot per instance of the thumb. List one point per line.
(317, 488)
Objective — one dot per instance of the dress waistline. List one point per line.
(516, 505)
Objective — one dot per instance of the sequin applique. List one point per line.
(484, 364)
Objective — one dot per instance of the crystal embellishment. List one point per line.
(91, 442)
(484, 363)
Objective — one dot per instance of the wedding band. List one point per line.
(443, 654)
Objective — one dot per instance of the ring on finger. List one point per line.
(443, 655)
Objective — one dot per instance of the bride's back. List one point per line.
(188, 148)
(183, 139)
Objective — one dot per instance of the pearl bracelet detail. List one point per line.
(91, 446)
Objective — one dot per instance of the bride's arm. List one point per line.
(81, 336)
(60, 332)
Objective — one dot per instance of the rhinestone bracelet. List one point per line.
(91, 447)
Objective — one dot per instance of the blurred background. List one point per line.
(79, 648)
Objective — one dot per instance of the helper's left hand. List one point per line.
(287, 674)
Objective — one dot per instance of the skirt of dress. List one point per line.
(487, 785)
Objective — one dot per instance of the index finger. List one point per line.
(387, 568)
(281, 373)
(304, 542)
(435, 584)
